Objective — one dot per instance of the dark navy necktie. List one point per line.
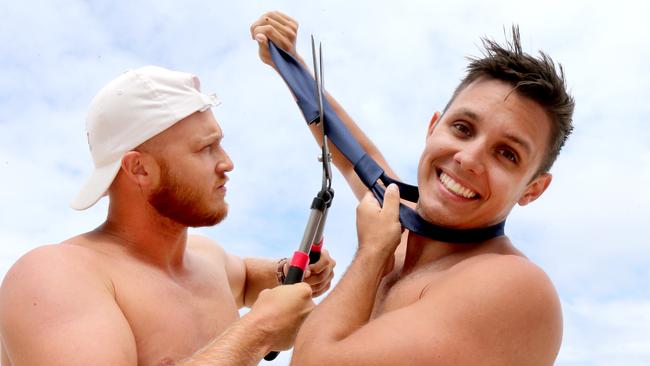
(303, 88)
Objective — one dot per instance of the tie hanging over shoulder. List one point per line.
(303, 88)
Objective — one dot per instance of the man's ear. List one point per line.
(138, 167)
(433, 123)
(535, 189)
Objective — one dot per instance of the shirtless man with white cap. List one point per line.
(138, 290)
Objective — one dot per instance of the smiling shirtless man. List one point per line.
(139, 290)
(412, 300)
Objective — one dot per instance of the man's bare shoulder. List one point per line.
(61, 289)
(63, 265)
(504, 282)
(54, 258)
(503, 274)
(510, 303)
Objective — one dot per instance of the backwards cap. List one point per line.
(128, 111)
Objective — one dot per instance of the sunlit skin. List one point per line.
(139, 290)
(202, 159)
(406, 299)
(169, 166)
(491, 140)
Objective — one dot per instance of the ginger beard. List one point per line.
(184, 203)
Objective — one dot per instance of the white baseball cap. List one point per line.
(130, 110)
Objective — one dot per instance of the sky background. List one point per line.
(391, 64)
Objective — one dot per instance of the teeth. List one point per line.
(455, 187)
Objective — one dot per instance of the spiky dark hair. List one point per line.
(536, 78)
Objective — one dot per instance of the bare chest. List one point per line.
(172, 319)
(397, 291)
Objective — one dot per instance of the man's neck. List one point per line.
(422, 251)
(148, 236)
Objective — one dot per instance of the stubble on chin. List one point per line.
(184, 203)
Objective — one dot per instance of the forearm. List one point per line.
(346, 309)
(242, 344)
(260, 275)
(282, 31)
(340, 161)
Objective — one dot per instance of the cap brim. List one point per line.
(96, 186)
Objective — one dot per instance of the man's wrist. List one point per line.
(257, 331)
(371, 260)
(369, 253)
(279, 272)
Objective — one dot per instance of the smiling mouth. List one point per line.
(456, 188)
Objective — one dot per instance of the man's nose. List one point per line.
(224, 164)
(471, 158)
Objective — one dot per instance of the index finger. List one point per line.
(322, 264)
(278, 19)
(284, 19)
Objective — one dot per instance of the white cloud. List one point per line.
(391, 64)
(606, 333)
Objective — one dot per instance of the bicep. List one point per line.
(232, 265)
(58, 316)
(413, 335)
(499, 312)
(236, 271)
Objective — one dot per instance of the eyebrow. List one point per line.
(512, 138)
(470, 114)
(516, 140)
(213, 137)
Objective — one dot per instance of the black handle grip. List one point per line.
(314, 257)
(293, 276)
(271, 355)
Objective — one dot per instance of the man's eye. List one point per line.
(509, 154)
(462, 128)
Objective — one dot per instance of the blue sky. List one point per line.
(392, 64)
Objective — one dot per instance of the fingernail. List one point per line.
(393, 186)
(259, 38)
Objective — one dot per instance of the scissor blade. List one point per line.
(321, 88)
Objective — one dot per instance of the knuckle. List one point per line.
(317, 278)
(264, 293)
(305, 290)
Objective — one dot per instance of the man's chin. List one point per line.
(193, 218)
(431, 215)
(213, 219)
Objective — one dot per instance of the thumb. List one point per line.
(261, 38)
(391, 201)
